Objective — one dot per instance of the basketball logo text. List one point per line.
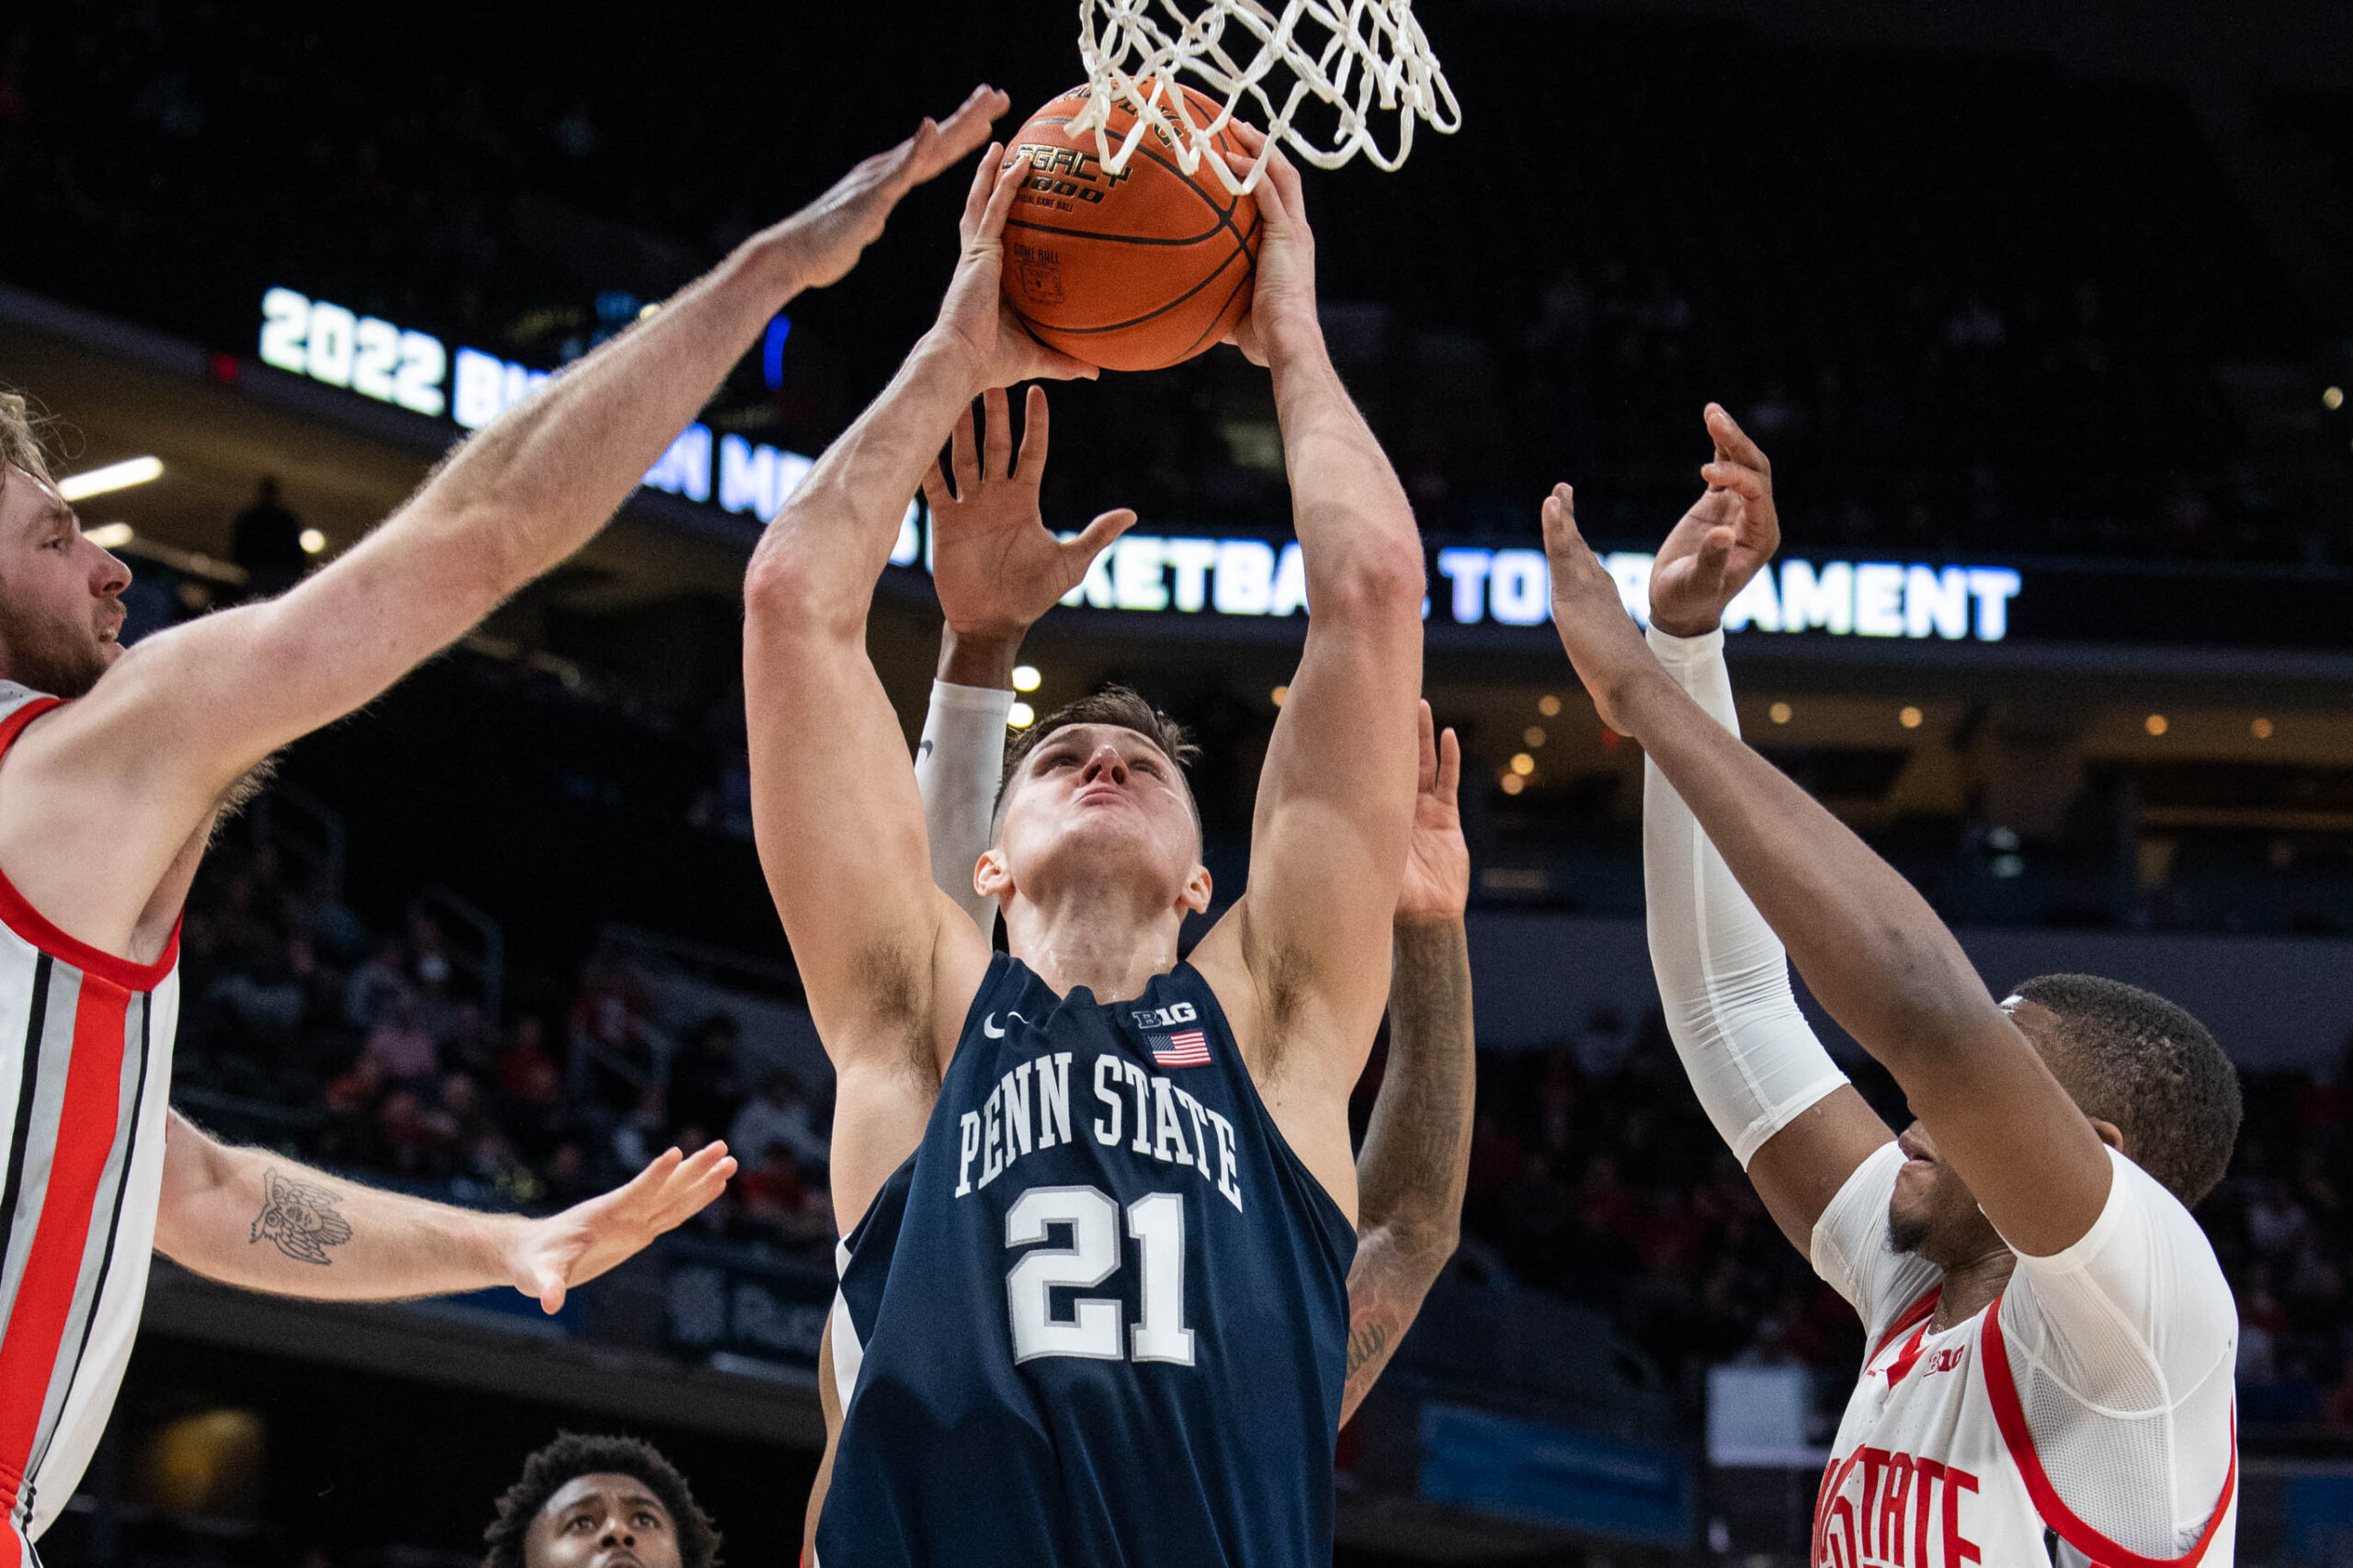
(1881, 1509)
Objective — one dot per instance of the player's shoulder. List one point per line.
(2146, 1255)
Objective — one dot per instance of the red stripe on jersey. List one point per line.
(2002, 1390)
(86, 1136)
(36, 928)
(1918, 1311)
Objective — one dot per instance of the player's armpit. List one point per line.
(1801, 1168)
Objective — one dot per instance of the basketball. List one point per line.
(1131, 271)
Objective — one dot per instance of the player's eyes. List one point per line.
(647, 1521)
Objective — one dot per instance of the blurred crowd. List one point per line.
(373, 1052)
(1593, 1173)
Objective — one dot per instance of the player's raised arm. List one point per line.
(1417, 1154)
(1867, 943)
(1335, 807)
(997, 569)
(1723, 978)
(180, 717)
(835, 808)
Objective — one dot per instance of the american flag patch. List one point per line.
(1190, 1049)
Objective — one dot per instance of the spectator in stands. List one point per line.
(400, 1046)
(377, 985)
(779, 1118)
(267, 541)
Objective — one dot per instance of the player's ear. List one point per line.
(2109, 1134)
(992, 877)
(1195, 899)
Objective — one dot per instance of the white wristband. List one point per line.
(957, 765)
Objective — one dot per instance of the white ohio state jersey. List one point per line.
(1935, 1464)
(85, 1066)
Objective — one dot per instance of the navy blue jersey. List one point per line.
(1099, 1318)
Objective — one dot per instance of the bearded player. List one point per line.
(997, 569)
(2052, 1339)
(1100, 1203)
(114, 766)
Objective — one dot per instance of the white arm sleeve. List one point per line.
(1722, 976)
(958, 765)
(2122, 1347)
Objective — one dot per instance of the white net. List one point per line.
(1365, 59)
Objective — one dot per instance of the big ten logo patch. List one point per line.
(1165, 1017)
(1063, 177)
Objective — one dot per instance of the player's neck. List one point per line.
(1969, 1284)
(1094, 939)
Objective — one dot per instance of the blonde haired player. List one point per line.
(2048, 1376)
(114, 766)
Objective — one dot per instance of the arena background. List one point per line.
(2044, 319)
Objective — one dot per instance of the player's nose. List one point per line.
(1106, 763)
(1916, 1144)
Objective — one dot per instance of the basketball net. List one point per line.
(1365, 58)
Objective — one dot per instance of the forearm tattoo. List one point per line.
(299, 1218)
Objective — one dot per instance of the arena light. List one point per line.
(313, 541)
(1909, 717)
(1026, 677)
(1523, 764)
(1512, 783)
(1534, 735)
(2155, 724)
(1779, 712)
(1548, 705)
(2333, 398)
(2262, 729)
(114, 476)
(1020, 716)
(1277, 695)
(108, 535)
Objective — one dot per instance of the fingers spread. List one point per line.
(960, 453)
(1428, 775)
(1449, 763)
(1095, 539)
(997, 448)
(1034, 428)
(935, 494)
(962, 131)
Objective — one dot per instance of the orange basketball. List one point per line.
(1129, 271)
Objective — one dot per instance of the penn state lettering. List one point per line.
(1102, 1306)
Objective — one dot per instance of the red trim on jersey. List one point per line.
(2001, 1387)
(34, 927)
(1918, 1311)
(86, 1138)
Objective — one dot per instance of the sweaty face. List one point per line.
(1094, 801)
(61, 597)
(606, 1521)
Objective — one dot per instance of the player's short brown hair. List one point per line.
(1116, 705)
(2131, 1057)
(20, 436)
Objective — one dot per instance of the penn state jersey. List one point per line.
(1098, 1317)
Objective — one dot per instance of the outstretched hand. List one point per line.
(1602, 641)
(826, 237)
(1282, 300)
(548, 1256)
(1437, 861)
(974, 318)
(1723, 541)
(995, 565)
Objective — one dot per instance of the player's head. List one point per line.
(1096, 793)
(599, 1502)
(2151, 1079)
(61, 597)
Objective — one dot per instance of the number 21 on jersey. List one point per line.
(1157, 1225)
